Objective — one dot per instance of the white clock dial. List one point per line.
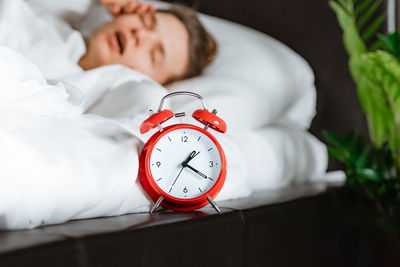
(198, 176)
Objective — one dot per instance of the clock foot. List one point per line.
(214, 204)
(157, 204)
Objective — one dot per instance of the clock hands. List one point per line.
(177, 176)
(184, 163)
(191, 156)
(196, 171)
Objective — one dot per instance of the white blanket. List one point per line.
(60, 164)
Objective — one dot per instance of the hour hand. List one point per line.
(195, 170)
(191, 156)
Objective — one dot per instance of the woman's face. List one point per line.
(154, 44)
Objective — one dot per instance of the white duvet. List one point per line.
(61, 161)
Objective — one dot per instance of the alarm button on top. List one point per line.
(155, 119)
(206, 117)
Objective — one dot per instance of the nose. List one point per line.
(144, 37)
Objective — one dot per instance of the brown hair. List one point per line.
(202, 46)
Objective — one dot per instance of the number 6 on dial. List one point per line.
(183, 167)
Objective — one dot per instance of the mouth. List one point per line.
(121, 42)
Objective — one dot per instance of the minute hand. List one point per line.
(196, 171)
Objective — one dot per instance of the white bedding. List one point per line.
(59, 163)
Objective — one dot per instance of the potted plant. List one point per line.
(372, 164)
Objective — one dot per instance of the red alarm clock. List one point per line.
(182, 166)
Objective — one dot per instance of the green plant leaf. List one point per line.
(369, 174)
(385, 72)
(334, 140)
(362, 160)
(373, 27)
(390, 43)
(349, 138)
(368, 14)
(377, 75)
(338, 154)
(347, 5)
(357, 145)
(375, 45)
(351, 38)
(361, 7)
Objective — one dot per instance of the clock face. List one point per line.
(185, 181)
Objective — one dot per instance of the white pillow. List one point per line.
(258, 79)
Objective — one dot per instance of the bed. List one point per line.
(63, 123)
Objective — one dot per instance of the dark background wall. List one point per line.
(310, 28)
